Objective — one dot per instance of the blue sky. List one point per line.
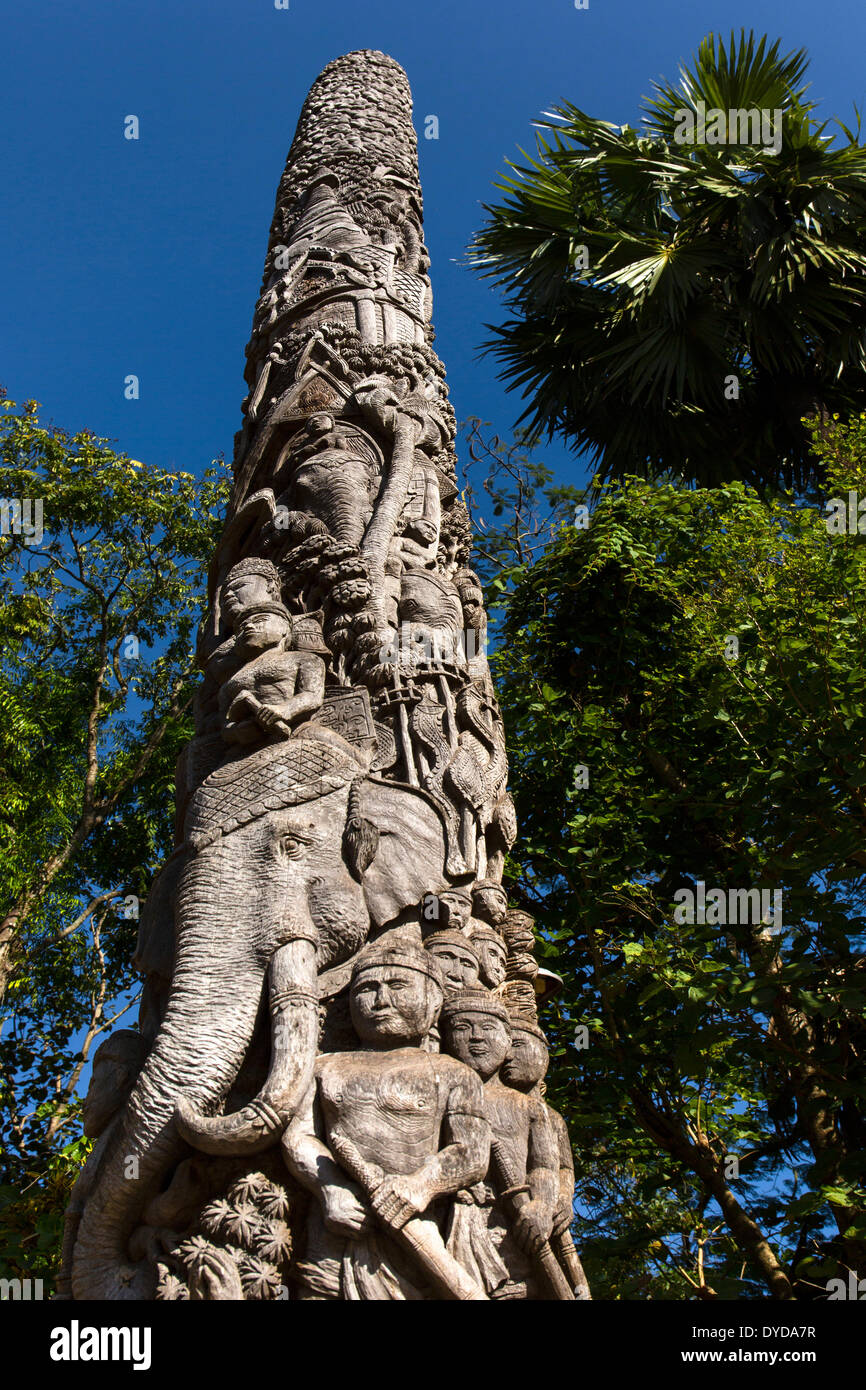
(145, 257)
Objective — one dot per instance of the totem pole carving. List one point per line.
(289, 1123)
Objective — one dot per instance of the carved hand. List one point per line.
(269, 718)
(532, 1226)
(242, 705)
(400, 1197)
(345, 1212)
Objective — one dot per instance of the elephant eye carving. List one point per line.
(292, 845)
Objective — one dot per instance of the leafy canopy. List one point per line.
(97, 623)
(677, 308)
(651, 752)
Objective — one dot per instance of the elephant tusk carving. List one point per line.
(293, 998)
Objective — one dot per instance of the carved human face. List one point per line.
(258, 631)
(244, 591)
(492, 955)
(320, 423)
(481, 1040)
(526, 1063)
(393, 1006)
(473, 606)
(491, 905)
(459, 909)
(459, 964)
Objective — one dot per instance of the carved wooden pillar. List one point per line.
(341, 1095)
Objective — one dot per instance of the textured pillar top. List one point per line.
(356, 123)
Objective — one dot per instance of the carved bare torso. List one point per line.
(280, 684)
(510, 1116)
(392, 1113)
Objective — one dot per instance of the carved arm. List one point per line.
(309, 692)
(312, 1164)
(542, 1165)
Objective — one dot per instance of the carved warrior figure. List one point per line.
(458, 957)
(276, 687)
(385, 1132)
(501, 1227)
(287, 1111)
(525, 1068)
(492, 953)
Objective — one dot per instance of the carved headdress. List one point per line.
(403, 953)
(475, 1001)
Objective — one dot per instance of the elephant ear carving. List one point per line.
(360, 837)
(411, 851)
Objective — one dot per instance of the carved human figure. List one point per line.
(418, 536)
(490, 903)
(276, 688)
(458, 958)
(248, 583)
(492, 954)
(455, 909)
(385, 1133)
(468, 586)
(502, 1228)
(521, 967)
(525, 1068)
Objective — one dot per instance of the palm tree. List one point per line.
(679, 307)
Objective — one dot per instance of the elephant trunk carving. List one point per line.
(249, 901)
(146, 1141)
(320, 928)
(293, 998)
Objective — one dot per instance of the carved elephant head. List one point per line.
(291, 853)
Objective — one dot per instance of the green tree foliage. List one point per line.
(97, 631)
(678, 307)
(713, 1074)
